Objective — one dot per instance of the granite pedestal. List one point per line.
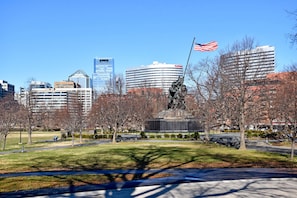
(173, 120)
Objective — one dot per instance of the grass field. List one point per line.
(124, 155)
(39, 139)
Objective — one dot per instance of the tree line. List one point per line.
(215, 97)
(242, 98)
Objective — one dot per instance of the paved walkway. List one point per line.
(233, 182)
(256, 188)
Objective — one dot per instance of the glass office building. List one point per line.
(156, 75)
(103, 76)
(81, 78)
(6, 88)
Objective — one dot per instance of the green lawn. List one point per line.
(127, 155)
(38, 137)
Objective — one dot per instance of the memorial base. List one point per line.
(173, 120)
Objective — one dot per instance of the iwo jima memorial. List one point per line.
(175, 118)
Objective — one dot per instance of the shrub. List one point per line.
(195, 135)
(180, 135)
(152, 136)
(173, 136)
(142, 134)
(63, 136)
(166, 136)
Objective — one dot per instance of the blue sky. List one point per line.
(48, 40)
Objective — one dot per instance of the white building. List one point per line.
(156, 75)
(252, 64)
(51, 99)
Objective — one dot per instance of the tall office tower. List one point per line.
(245, 65)
(156, 75)
(81, 78)
(103, 76)
(5, 88)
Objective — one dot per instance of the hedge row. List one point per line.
(109, 136)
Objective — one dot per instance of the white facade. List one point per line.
(156, 75)
(252, 64)
(52, 99)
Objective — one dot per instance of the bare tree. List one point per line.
(293, 36)
(113, 112)
(267, 104)
(287, 104)
(142, 109)
(118, 111)
(46, 117)
(21, 120)
(30, 102)
(61, 119)
(205, 76)
(76, 115)
(29, 116)
(239, 71)
(8, 116)
(97, 114)
(254, 115)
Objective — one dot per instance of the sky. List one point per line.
(48, 40)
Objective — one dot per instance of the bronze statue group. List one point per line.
(177, 93)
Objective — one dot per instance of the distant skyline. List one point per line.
(49, 40)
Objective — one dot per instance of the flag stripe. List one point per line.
(211, 46)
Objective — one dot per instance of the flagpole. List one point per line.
(189, 58)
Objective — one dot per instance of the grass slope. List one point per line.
(127, 155)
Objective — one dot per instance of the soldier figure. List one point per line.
(177, 93)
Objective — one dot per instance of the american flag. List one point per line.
(211, 46)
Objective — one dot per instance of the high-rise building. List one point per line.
(5, 88)
(103, 76)
(51, 99)
(156, 75)
(81, 78)
(252, 64)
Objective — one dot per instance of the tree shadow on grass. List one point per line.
(237, 159)
(145, 163)
(145, 160)
(124, 170)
